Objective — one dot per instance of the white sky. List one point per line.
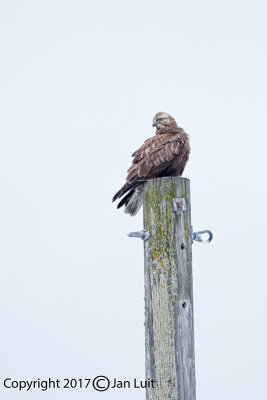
(81, 81)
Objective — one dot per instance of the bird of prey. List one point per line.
(164, 154)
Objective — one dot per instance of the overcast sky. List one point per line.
(80, 83)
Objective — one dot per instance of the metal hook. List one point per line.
(197, 236)
(144, 235)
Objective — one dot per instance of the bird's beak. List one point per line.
(154, 124)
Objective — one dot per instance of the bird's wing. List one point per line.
(153, 157)
(151, 160)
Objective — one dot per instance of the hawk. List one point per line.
(164, 154)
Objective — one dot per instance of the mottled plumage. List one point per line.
(164, 154)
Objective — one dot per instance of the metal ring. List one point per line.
(197, 236)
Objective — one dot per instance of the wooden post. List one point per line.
(169, 327)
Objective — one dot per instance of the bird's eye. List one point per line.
(159, 120)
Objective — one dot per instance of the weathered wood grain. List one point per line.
(169, 326)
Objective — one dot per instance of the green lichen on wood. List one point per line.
(158, 218)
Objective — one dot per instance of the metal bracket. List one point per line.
(197, 236)
(179, 204)
(144, 234)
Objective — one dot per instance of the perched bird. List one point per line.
(164, 154)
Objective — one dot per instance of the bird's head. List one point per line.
(162, 120)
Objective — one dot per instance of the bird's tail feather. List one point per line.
(134, 203)
(125, 188)
(125, 199)
(133, 198)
